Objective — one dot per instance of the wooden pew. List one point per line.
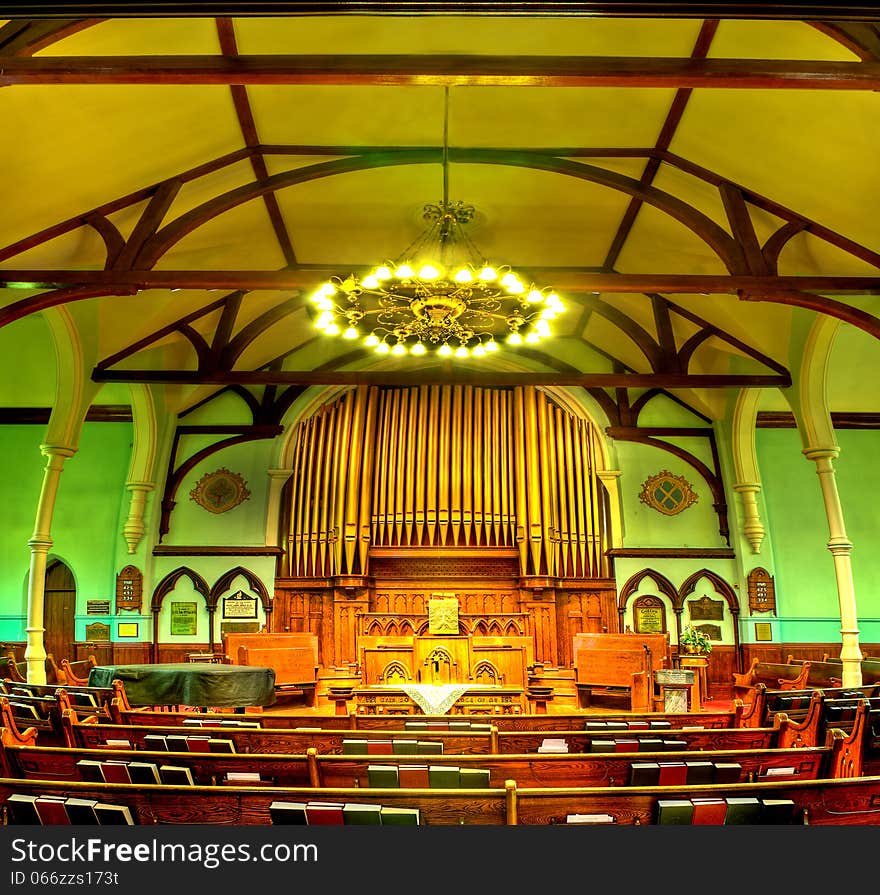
(554, 721)
(77, 673)
(774, 676)
(839, 802)
(87, 733)
(531, 770)
(624, 663)
(796, 704)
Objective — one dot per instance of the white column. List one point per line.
(840, 547)
(40, 544)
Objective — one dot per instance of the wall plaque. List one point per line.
(763, 631)
(240, 605)
(705, 609)
(129, 589)
(127, 629)
(220, 491)
(649, 615)
(762, 591)
(98, 631)
(184, 618)
(97, 607)
(714, 631)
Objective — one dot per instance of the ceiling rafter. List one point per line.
(244, 113)
(437, 70)
(862, 38)
(24, 37)
(667, 131)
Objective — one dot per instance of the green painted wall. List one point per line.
(87, 523)
(806, 589)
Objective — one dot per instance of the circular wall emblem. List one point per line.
(220, 491)
(667, 493)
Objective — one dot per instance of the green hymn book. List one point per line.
(393, 816)
(675, 811)
(383, 776)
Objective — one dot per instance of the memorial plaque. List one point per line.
(98, 631)
(97, 607)
(706, 609)
(714, 631)
(184, 618)
(240, 605)
(763, 631)
(127, 629)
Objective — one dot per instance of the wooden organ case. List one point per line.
(488, 495)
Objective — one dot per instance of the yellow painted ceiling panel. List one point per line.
(852, 353)
(82, 247)
(658, 243)
(496, 35)
(125, 36)
(812, 151)
(753, 39)
(806, 254)
(77, 147)
(694, 191)
(240, 239)
(203, 189)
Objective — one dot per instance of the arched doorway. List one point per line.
(59, 611)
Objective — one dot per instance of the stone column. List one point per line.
(840, 547)
(40, 544)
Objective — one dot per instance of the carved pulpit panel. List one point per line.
(442, 614)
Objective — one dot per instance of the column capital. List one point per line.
(279, 473)
(746, 487)
(822, 452)
(140, 486)
(57, 450)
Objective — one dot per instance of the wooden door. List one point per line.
(59, 612)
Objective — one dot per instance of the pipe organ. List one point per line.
(446, 467)
(389, 480)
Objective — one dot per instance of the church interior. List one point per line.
(442, 360)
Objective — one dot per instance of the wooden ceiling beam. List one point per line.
(445, 70)
(441, 374)
(565, 279)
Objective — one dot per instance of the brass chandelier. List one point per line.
(440, 294)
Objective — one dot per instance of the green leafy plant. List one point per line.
(696, 641)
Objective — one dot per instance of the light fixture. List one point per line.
(439, 295)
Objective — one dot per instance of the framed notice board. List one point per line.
(649, 616)
(184, 618)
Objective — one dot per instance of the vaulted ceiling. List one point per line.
(696, 190)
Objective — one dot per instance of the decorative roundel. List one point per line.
(667, 493)
(220, 491)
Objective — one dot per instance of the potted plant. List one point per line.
(694, 642)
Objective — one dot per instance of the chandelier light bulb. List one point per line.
(514, 339)
(535, 297)
(370, 282)
(462, 351)
(491, 345)
(383, 273)
(399, 349)
(542, 328)
(332, 329)
(463, 276)
(350, 333)
(371, 340)
(404, 272)
(479, 351)
(444, 350)
(418, 348)
(429, 272)
(383, 348)
(532, 338)
(487, 274)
